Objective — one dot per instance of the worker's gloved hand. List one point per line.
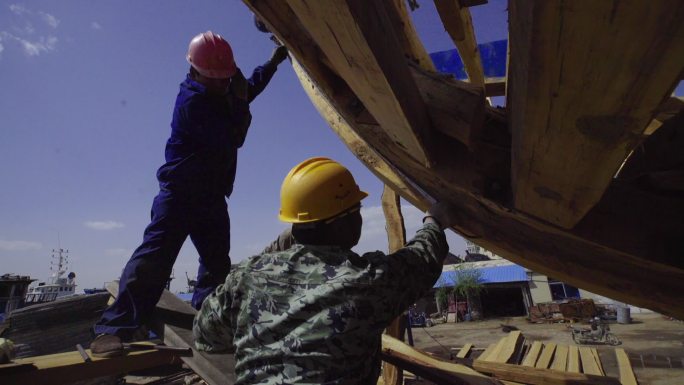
(443, 213)
(239, 86)
(279, 54)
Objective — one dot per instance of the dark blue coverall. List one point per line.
(201, 159)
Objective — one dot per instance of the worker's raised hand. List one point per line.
(238, 85)
(279, 54)
(443, 213)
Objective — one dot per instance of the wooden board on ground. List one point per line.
(573, 360)
(533, 354)
(464, 351)
(560, 359)
(546, 356)
(173, 324)
(626, 373)
(589, 365)
(508, 347)
(69, 367)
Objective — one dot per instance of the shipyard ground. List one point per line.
(650, 335)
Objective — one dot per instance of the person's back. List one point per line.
(314, 314)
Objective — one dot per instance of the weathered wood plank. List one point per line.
(378, 165)
(573, 123)
(589, 365)
(625, 367)
(464, 351)
(487, 352)
(573, 359)
(560, 359)
(396, 239)
(538, 376)
(510, 343)
(408, 37)
(597, 359)
(546, 356)
(358, 39)
(533, 354)
(69, 367)
(493, 354)
(409, 358)
(459, 26)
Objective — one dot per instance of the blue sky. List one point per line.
(86, 101)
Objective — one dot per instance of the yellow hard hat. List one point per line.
(317, 189)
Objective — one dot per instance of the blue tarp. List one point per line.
(493, 274)
(493, 56)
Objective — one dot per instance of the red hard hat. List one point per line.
(211, 56)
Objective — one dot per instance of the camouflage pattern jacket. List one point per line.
(315, 314)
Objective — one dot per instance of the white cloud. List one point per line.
(95, 25)
(18, 9)
(103, 225)
(35, 48)
(19, 245)
(24, 36)
(49, 19)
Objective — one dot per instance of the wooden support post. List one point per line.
(396, 236)
(459, 25)
(573, 359)
(560, 359)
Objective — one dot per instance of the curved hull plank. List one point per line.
(627, 247)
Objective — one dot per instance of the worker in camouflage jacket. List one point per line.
(308, 309)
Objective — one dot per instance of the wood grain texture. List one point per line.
(585, 80)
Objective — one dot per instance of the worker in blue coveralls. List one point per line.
(210, 121)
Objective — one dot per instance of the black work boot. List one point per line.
(106, 345)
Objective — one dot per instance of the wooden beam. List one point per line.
(538, 376)
(459, 25)
(456, 108)
(396, 239)
(376, 164)
(625, 367)
(441, 372)
(585, 79)
(597, 359)
(359, 40)
(69, 367)
(495, 87)
(408, 37)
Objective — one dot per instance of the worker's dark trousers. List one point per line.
(174, 217)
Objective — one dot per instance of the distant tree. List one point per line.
(469, 286)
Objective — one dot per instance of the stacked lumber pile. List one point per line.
(568, 311)
(54, 327)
